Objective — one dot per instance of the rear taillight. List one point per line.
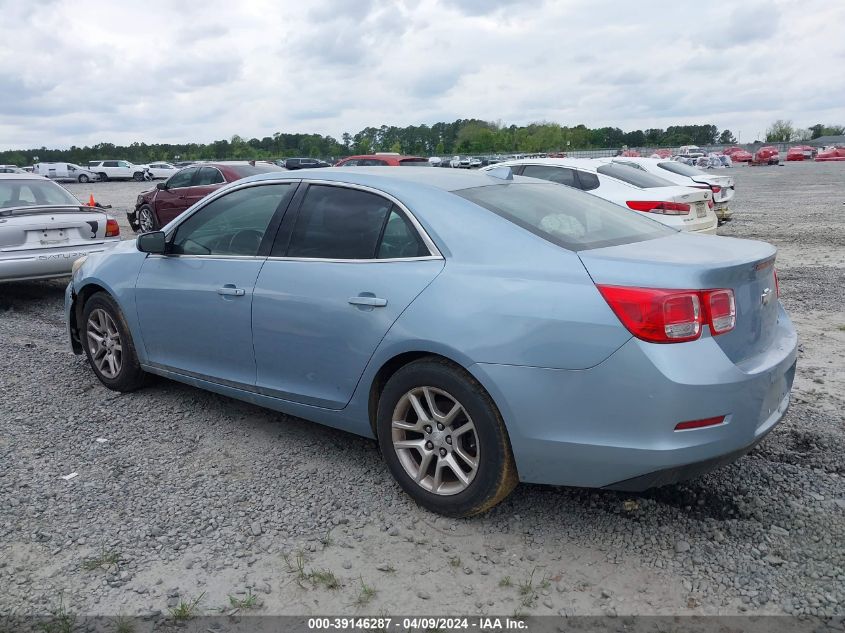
(671, 316)
(715, 188)
(710, 204)
(112, 228)
(721, 310)
(661, 207)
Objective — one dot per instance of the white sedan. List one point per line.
(683, 208)
(161, 170)
(44, 229)
(723, 187)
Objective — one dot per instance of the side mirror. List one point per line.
(161, 185)
(152, 242)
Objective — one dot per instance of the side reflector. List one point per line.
(698, 424)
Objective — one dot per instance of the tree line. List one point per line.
(464, 136)
(784, 132)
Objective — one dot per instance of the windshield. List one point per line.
(564, 216)
(633, 176)
(33, 192)
(414, 162)
(681, 169)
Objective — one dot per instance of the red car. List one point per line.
(767, 154)
(738, 155)
(383, 160)
(831, 154)
(157, 207)
(801, 152)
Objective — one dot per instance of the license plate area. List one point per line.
(52, 236)
(700, 209)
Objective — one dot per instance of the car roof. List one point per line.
(586, 164)
(22, 176)
(394, 179)
(386, 156)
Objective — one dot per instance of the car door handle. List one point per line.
(374, 302)
(231, 291)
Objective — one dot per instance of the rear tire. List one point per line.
(103, 177)
(434, 419)
(108, 344)
(138, 176)
(83, 178)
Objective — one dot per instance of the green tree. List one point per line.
(780, 132)
(727, 138)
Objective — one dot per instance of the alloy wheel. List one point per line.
(435, 440)
(104, 343)
(145, 219)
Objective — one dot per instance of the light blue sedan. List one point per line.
(486, 328)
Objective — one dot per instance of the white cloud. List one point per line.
(85, 72)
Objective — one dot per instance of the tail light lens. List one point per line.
(671, 316)
(112, 228)
(661, 207)
(721, 310)
(715, 188)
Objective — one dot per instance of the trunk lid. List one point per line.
(697, 262)
(725, 183)
(50, 228)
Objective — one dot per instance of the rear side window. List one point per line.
(560, 175)
(400, 239)
(589, 181)
(350, 163)
(633, 176)
(208, 176)
(564, 216)
(338, 223)
(679, 168)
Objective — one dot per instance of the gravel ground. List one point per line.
(182, 494)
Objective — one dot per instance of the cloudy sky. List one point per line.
(85, 72)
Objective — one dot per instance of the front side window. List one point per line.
(560, 175)
(633, 176)
(123, 163)
(338, 223)
(181, 179)
(350, 163)
(564, 216)
(233, 224)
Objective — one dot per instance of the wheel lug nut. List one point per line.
(442, 452)
(448, 439)
(429, 445)
(427, 429)
(439, 426)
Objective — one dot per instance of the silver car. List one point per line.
(44, 229)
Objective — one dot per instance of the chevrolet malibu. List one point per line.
(485, 328)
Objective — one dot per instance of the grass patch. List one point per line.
(249, 602)
(324, 578)
(186, 610)
(455, 561)
(327, 539)
(366, 594)
(296, 566)
(61, 621)
(105, 560)
(123, 624)
(506, 582)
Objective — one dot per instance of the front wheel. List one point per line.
(444, 440)
(83, 178)
(147, 219)
(103, 177)
(108, 344)
(138, 176)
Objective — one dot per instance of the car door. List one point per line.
(172, 200)
(194, 303)
(343, 269)
(207, 180)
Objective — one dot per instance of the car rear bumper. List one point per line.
(614, 424)
(46, 263)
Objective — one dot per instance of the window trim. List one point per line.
(434, 252)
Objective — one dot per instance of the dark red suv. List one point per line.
(383, 160)
(157, 207)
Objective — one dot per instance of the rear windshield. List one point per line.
(564, 216)
(680, 168)
(251, 170)
(414, 162)
(633, 176)
(33, 192)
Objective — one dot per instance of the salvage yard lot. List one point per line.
(194, 495)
